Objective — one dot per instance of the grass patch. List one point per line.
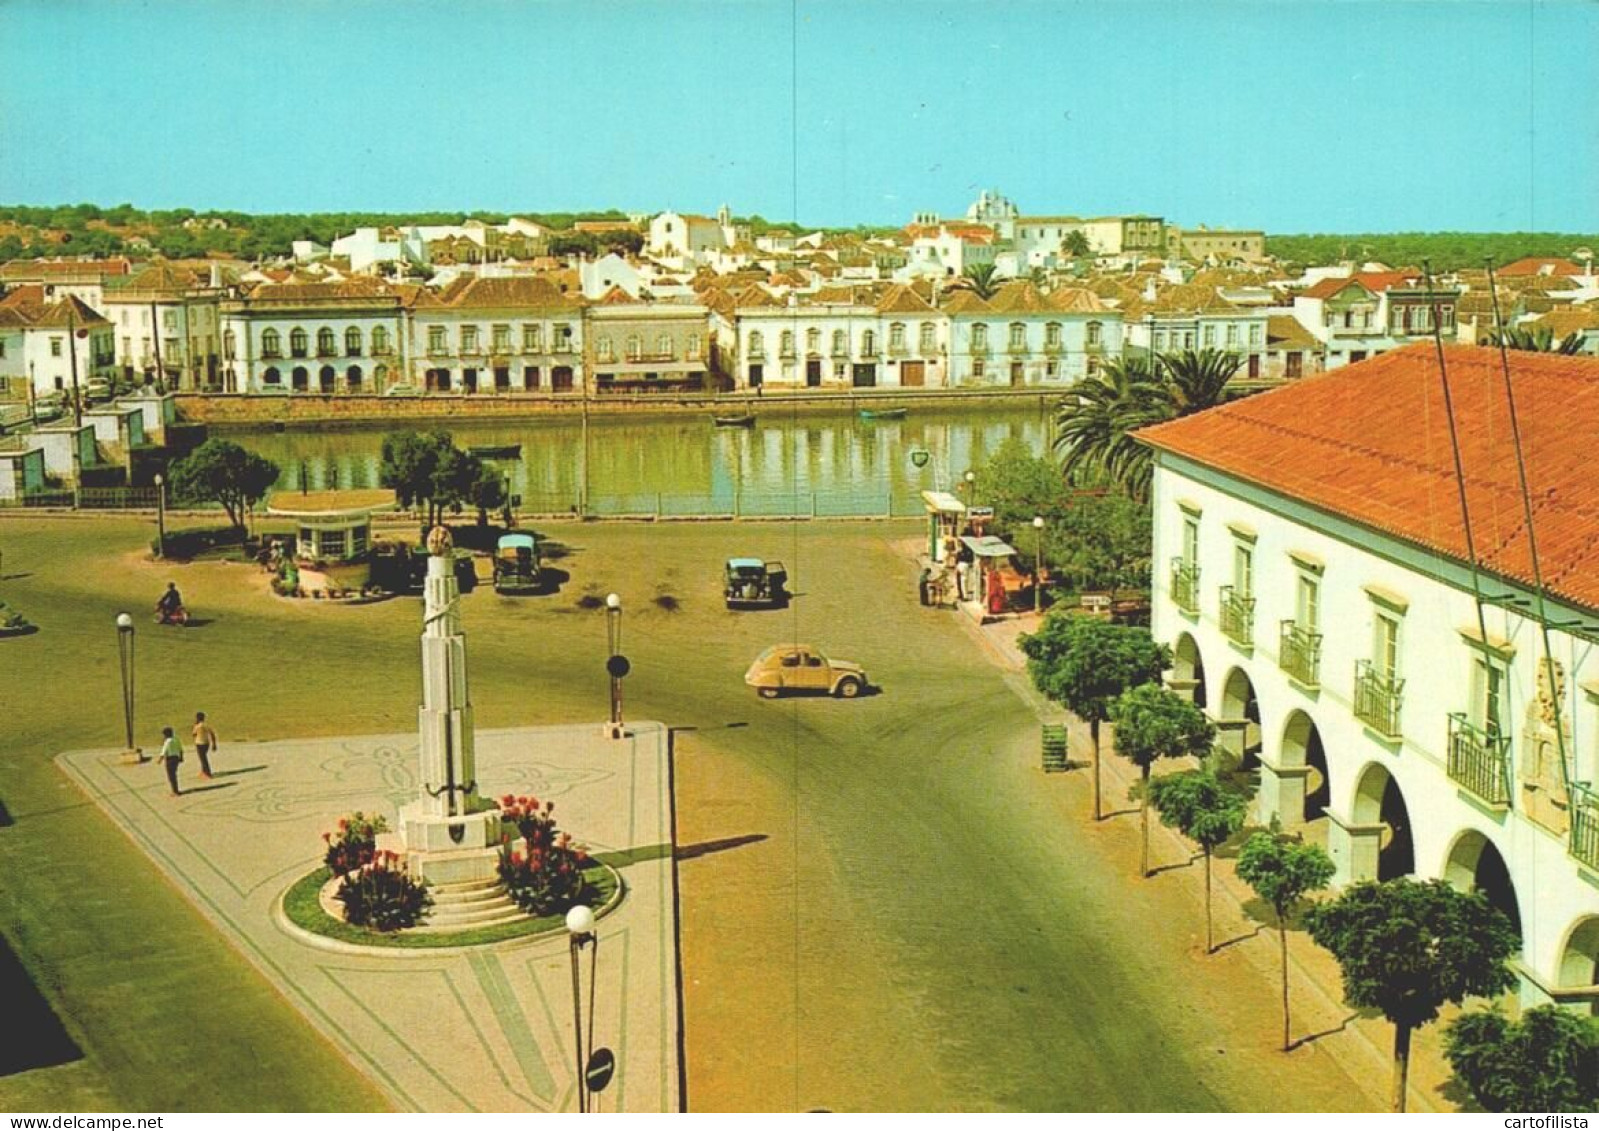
(304, 910)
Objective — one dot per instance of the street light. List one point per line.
(616, 665)
(1038, 563)
(160, 516)
(130, 753)
(580, 926)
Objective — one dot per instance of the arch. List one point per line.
(325, 377)
(1474, 864)
(1379, 801)
(1301, 748)
(380, 339)
(230, 344)
(298, 342)
(352, 378)
(1240, 716)
(352, 341)
(302, 378)
(271, 376)
(326, 343)
(271, 343)
(1189, 667)
(1579, 958)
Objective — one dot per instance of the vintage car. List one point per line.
(516, 564)
(799, 667)
(749, 583)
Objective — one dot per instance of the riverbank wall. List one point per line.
(236, 412)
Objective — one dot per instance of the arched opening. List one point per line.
(1378, 801)
(271, 376)
(325, 378)
(1579, 958)
(302, 378)
(1302, 748)
(1474, 864)
(352, 378)
(1188, 671)
(1239, 720)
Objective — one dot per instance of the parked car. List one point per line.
(800, 667)
(516, 564)
(749, 583)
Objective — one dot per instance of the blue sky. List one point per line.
(1298, 115)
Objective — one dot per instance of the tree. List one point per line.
(410, 465)
(1095, 420)
(487, 491)
(1084, 664)
(1548, 1061)
(1154, 722)
(221, 471)
(1199, 806)
(1197, 380)
(1076, 243)
(980, 277)
(1110, 540)
(1406, 948)
(1536, 339)
(1283, 872)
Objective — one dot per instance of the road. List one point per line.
(885, 904)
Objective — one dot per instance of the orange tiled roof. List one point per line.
(1537, 266)
(532, 291)
(900, 299)
(65, 312)
(1569, 319)
(1370, 442)
(1285, 332)
(24, 294)
(962, 300)
(1075, 300)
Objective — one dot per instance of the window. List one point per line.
(563, 337)
(635, 347)
(979, 335)
(785, 344)
(1209, 337)
(693, 347)
(757, 344)
(1307, 602)
(380, 340)
(436, 342)
(271, 376)
(928, 338)
(1018, 335)
(55, 347)
(352, 341)
(813, 341)
(1052, 335)
(325, 344)
(979, 369)
(1243, 569)
(1096, 332)
(839, 346)
(1385, 644)
(171, 346)
(868, 343)
(468, 339)
(1255, 333)
(1191, 539)
(1488, 695)
(299, 342)
(1232, 334)
(228, 345)
(532, 337)
(502, 339)
(602, 348)
(270, 345)
(1160, 339)
(169, 319)
(1052, 369)
(896, 336)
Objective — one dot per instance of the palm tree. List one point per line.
(980, 278)
(1197, 380)
(1538, 339)
(1093, 423)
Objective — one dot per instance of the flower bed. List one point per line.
(545, 874)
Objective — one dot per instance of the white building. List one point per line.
(1363, 315)
(1022, 336)
(314, 338)
(684, 236)
(64, 345)
(488, 335)
(167, 324)
(1317, 587)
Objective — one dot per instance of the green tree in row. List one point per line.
(221, 471)
(1200, 806)
(1153, 722)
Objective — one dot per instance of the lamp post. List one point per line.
(160, 516)
(1038, 563)
(124, 623)
(580, 928)
(971, 488)
(616, 665)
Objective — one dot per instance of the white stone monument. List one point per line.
(450, 834)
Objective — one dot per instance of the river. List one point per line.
(830, 464)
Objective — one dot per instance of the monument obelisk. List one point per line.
(450, 834)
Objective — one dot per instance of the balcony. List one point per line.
(1585, 824)
(1185, 584)
(266, 353)
(1299, 653)
(901, 350)
(438, 350)
(1479, 760)
(471, 349)
(1054, 349)
(1016, 349)
(1094, 347)
(1378, 698)
(978, 349)
(1237, 616)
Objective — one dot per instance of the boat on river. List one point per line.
(496, 451)
(745, 420)
(883, 413)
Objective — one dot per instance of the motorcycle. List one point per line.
(177, 615)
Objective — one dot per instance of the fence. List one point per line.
(85, 498)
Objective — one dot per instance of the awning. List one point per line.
(988, 546)
(942, 502)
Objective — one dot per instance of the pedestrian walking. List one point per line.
(171, 754)
(205, 741)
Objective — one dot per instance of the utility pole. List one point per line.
(72, 355)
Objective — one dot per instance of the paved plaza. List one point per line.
(471, 1029)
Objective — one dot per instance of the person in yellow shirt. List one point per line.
(205, 741)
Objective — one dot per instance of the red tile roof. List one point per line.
(1536, 266)
(1370, 442)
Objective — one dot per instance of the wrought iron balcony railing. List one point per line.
(1479, 759)
(1185, 584)
(1299, 653)
(1378, 698)
(1585, 824)
(1237, 615)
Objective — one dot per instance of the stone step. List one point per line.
(465, 895)
(458, 917)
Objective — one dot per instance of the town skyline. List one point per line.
(1211, 121)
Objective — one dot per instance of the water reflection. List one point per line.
(687, 465)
